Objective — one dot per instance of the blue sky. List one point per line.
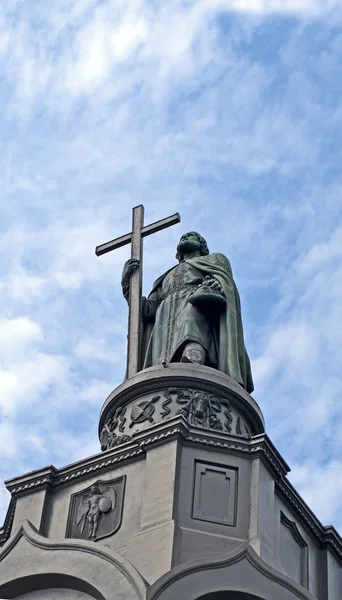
(227, 111)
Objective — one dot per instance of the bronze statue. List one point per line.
(193, 313)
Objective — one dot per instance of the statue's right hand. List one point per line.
(129, 267)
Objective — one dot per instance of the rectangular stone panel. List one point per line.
(293, 551)
(215, 493)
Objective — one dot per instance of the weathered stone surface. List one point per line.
(238, 575)
(31, 562)
(54, 594)
(194, 492)
(205, 397)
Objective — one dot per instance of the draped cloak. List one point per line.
(221, 333)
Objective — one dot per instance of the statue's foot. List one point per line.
(186, 359)
(194, 353)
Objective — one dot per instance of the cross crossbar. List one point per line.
(127, 238)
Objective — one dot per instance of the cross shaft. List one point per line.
(135, 290)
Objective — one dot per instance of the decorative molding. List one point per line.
(327, 536)
(77, 471)
(199, 408)
(29, 533)
(294, 530)
(244, 552)
(258, 446)
(5, 530)
(41, 479)
(142, 388)
(226, 480)
(304, 567)
(302, 509)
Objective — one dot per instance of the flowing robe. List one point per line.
(170, 321)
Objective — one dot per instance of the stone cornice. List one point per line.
(40, 479)
(5, 530)
(326, 535)
(259, 446)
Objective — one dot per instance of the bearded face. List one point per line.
(189, 242)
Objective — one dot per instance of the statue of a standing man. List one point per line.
(179, 329)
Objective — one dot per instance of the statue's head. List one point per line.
(190, 242)
(95, 489)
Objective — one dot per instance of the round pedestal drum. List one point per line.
(204, 396)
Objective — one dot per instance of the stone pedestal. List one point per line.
(189, 498)
(204, 396)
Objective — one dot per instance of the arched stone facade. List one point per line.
(80, 566)
(242, 575)
(55, 594)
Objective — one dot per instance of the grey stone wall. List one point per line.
(54, 594)
(195, 493)
(295, 550)
(59, 502)
(212, 503)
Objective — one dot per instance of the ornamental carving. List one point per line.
(96, 511)
(200, 408)
(143, 411)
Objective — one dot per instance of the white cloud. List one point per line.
(17, 332)
(25, 371)
(22, 286)
(113, 35)
(298, 367)
(321, 486)
(296, 7)
(24, 381)
(202, 106)
(321, 254)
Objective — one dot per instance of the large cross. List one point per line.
(135, 239)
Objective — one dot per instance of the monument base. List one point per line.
(189, 500)
(204, 396)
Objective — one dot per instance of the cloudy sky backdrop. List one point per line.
(228, 111)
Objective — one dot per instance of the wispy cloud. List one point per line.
(225, 110)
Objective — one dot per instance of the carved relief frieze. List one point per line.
(200, 408)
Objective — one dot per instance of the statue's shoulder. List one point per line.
(218, 258)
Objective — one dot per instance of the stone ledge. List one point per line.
(326, 535)
(161, 433)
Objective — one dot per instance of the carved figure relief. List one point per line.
(93, 506)
(96, 512)
(201, 409)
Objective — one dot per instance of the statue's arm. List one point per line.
(129, 267)
(149, 307)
